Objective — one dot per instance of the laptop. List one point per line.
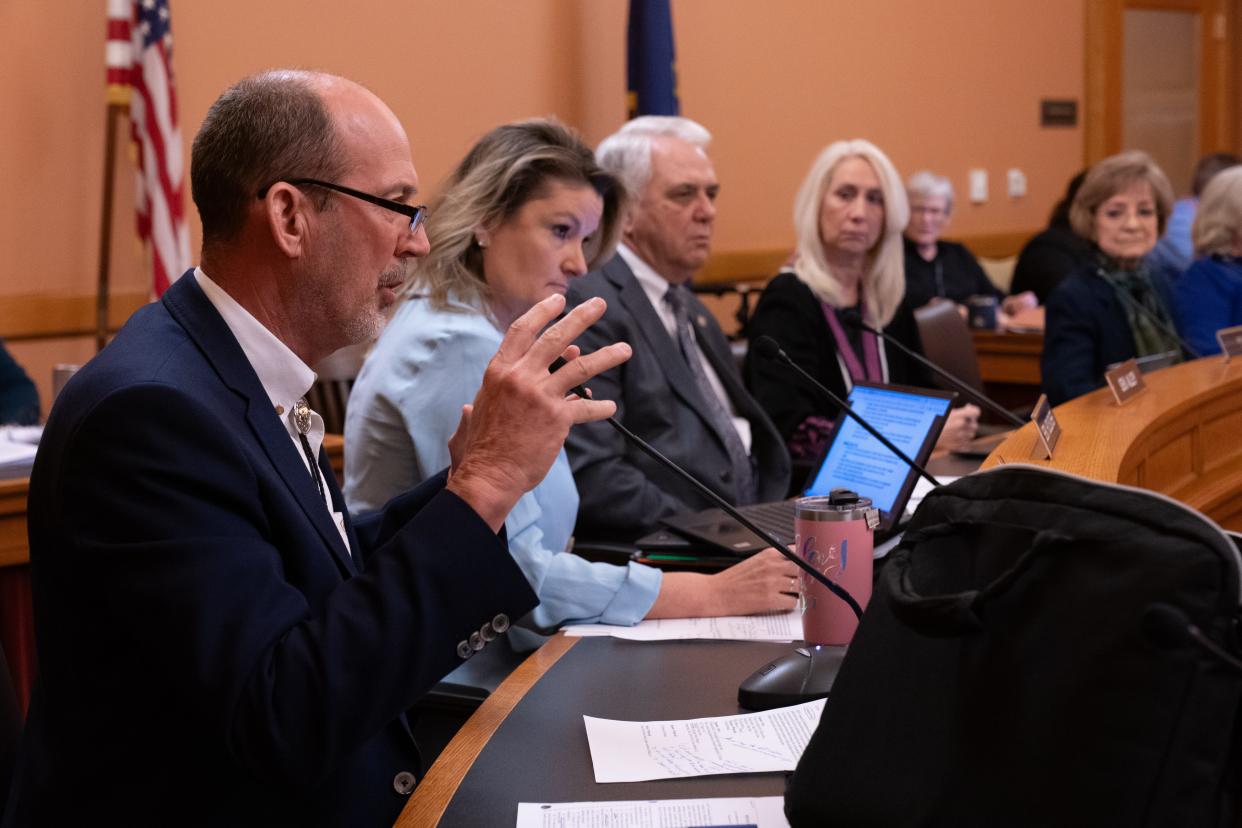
(911, 418)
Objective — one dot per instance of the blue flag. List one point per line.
(650, 76)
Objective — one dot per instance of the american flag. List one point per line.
(139, 63)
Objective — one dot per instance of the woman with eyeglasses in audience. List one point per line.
(849, 215)
(939, 270)
(527, 210)
(1116, 307)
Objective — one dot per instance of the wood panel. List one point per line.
(760, 265)
(55, 316)
(1009, 358)
(1178, 437)
(1102, 55)
(14, 546)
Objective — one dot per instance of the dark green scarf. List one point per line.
(1134, 287)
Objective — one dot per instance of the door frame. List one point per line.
(1102, 104)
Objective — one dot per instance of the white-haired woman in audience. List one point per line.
(1209, 294)
(526, 211)
(936, 269)
(1117, 307)
(849, 215)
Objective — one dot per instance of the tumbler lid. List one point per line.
(838, 504)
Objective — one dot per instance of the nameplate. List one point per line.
(1230, 340)
(1046, 425)
(1125, 381)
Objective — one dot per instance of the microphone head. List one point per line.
(1166, 626)
(767, 347)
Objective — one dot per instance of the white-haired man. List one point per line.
(681, 390)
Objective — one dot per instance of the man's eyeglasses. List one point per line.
(417, 214)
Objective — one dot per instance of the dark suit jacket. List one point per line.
(210, 654)
(1047, 259)
(1085, 332)
(961, 275)
(789, 313)
(624, 493)
(19, 400)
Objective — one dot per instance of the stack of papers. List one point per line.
(18, 445)
(756, 812)
(747, 743)
(768, 626)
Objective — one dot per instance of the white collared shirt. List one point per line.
(284, 376)
(655, 287)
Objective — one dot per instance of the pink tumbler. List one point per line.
(834, 535)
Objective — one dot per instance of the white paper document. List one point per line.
(747, 743)
(767, 626)
(18, 445)
(757, 811)
(923, 487)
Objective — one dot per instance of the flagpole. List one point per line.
(114, 112)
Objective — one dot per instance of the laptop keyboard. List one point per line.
(776, 518)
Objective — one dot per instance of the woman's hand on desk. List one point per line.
(960, 427)
(763, 582)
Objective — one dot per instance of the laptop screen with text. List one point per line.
(910, 419)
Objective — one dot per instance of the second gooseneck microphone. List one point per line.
(769, 348)
(852, 319)
(723, 504)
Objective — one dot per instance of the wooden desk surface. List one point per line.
(530, 745)
(1182, 437)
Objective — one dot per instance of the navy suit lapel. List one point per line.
(190, 307)
(667, 351)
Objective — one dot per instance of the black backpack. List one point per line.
(1030, 657)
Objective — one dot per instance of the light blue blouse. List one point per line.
(406, 404)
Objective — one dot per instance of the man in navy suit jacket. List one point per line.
(219, 643)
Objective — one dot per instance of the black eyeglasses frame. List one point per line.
(417, 214)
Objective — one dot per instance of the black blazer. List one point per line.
(623, 492)
(789, 313)
(1085, 331)
(209, 652)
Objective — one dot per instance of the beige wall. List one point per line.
(948, 86)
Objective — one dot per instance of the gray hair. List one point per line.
(627, 152)
(1218, 221)
(508, 167)
(926, 184)
(265, 128)
(884, 282)
(1111, 176)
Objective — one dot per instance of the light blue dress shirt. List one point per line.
(406, 404)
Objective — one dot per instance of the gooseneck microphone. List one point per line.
(723, 504)
(851, 318)
(1169, 628)
(769, 348)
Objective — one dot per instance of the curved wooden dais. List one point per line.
(1182, 437)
